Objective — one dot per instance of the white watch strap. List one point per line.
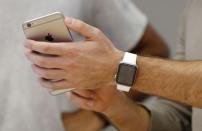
(123, 88)
(128, 58)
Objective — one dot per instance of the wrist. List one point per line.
(145, 65)
(117, 102)
(118, 56)
(136, 117)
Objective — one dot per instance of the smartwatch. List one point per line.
(127, 71)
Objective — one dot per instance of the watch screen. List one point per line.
(126, 74)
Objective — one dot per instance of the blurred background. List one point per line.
(165, 17)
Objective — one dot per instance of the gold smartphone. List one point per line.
(50, 28)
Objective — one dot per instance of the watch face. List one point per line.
(126, 74)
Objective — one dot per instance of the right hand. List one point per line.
(115, 105)
(86, 64)
(82, 120)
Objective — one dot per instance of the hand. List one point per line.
(115, 105)
(99, 100)
(82, 65)
(82, 121)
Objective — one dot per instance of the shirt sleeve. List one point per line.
(120, 20)
(181, 45)
(168, 116)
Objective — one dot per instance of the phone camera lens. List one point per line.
(29, 24)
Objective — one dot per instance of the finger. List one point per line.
(82, 28)
(53, 74)
(44, 60)
(79, 101)
(88, 94)
(55, 85)
(47, 47)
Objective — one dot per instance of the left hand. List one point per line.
(82, 65)
(98, 100)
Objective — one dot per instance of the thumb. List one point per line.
(84, 29)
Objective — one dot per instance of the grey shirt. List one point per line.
(24, 105)
(167, 116)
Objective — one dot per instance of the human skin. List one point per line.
(93, 65)
(43, 69)
(82, 120)
(151, 44)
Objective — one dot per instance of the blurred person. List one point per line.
(169, 79)
(25, 107)
(110, 105)
(102, 96)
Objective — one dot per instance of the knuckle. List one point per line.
(27, 53)
(73, 52)
(78, 24)
(97, 32)
(43, 83)
(29, 44)
(41, 62)
(47, 75)
(46, 48)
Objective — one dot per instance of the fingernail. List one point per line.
(27, 44)
(68, 20)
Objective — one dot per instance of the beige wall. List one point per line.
(165, 16)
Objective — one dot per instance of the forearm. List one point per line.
(180, 81)
(151, 44)
(127, 116)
